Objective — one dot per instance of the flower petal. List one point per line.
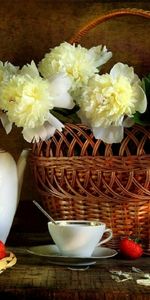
(55, 122)
(109, 135)
(59, 86)
(36, 134)
(142, 104)
(100, 55)
(5, 122)
(43, 132)
(120, 69)
(30, 69)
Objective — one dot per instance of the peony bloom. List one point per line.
(27, 100)
(77, 62)
(109, 101)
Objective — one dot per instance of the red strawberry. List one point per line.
(2, 250)
(130, 248)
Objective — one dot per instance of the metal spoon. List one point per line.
(44, 212)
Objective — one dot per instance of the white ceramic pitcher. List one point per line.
(11, 178)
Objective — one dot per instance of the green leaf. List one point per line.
(66, 115)
(144, 119)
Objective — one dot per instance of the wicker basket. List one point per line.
(79, 177)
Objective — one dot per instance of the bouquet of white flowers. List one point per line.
(67, 86)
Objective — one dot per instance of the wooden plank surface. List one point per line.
(35, 277)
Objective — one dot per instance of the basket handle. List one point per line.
(114, 13)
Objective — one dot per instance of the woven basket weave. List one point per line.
(79, 177)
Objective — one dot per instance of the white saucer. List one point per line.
(52, 252)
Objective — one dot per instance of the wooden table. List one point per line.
(34, 277)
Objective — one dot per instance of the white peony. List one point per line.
(27, 100)
(76, 62)
(108, 99)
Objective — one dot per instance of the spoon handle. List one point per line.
(44, 212)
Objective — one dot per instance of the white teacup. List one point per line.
(78, 238)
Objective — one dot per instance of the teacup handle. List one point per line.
(108, 238)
